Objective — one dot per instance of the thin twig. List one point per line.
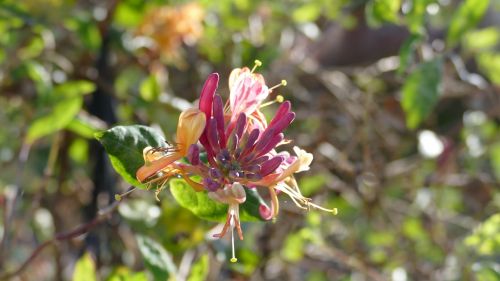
(78, 231)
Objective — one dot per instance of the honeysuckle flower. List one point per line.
(240, 146)
(159, 163)
(168, 27)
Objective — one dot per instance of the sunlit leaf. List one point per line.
(33, 49)
(124, 145)
(381, 11)
(129, 13)
(124, 274)
(483, 39)
(293, 248)
(199, 270)
(74, 88)
(84, 127)
(62, 114)
(40, 76)
(485, 240)
(306, 12)
(415, 17)
(79, 150)
(489, 63)
(420, 92)
(68, 101)
(150, 89)
(467, 16)
(310, 184)
(157, 260)
(204, 207)
(85, 269)
(197, 202)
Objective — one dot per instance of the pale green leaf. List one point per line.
(150, 89)
(124, 274)
(156, 259)
(489, 63)
(306, 13)
(85, 269)
(380, 11)
(199, 270)
(483, 39)
(62, 114)
(75, 88)
(466, 17)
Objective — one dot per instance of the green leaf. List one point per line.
(310, 184)
(293, 249)
(84, 127)
(85, 269)
(76, 88)
(124, 274)
(62, 114)
(150, 89)
(416, 16)
(40, 76)
(129, 14)
(197, 202)
(466, 17)
(489, 62)
(406, 52)
(380, 11)
(68, 101)
(486, 237)
(156, 259)
(306, 13)
(420, 92)
(124, 145)
(200, 269)
(484, 39)
(33, 49)
(204, 207)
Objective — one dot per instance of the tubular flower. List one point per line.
(240, 147)
(160, 163)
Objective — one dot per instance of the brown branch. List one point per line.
(78, 231)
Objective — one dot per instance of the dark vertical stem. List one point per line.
(101, 105)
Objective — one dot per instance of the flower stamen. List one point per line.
(118, 197)
(282, 83)
(232, 223)
(278, 99)
(257, 63)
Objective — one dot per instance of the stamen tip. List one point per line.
(233, 260)
(280, 98)
(118, 197)
(335, 211)
(258, 63)
(283, 82)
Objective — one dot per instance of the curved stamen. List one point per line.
(257, 63)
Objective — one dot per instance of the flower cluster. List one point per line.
(169, 27)
(240, 147)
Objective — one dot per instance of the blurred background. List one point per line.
(398, 100)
